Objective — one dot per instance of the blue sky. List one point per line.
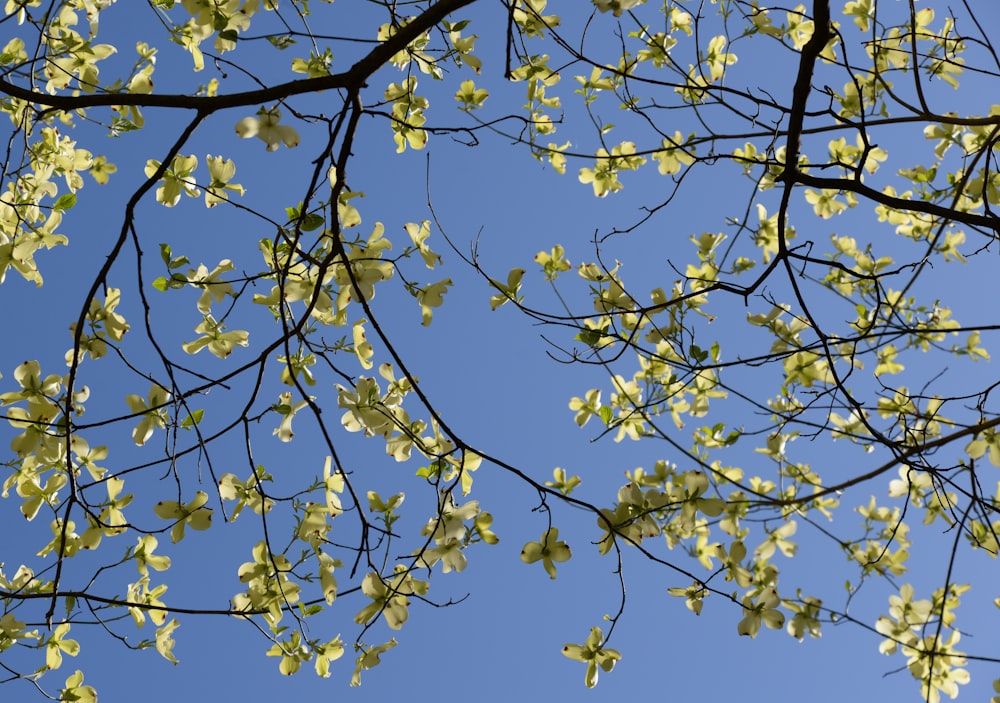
(492, 379)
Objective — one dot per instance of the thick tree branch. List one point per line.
(853, 185)
(803, 81)
(352, 79)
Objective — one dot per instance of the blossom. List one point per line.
(175, 180)
(549, 550)
(215, 338)
(593, 654)
(765, 611)
(152, 411)
(266, 127)
(221, 171)
(194, 514)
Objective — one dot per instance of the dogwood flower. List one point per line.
(194, 514)
(152, 411)
(549, 550)
(57, 645)
(764, 610)
(221, 171)
(144, 557)
(216, 339)
(326, 653)
(266, 127)
(176, 179)
(593, 654)
(390, 596)
(76, 691)
(368, 658)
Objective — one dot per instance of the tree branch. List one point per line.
(352, 79)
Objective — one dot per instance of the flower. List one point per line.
(76, 691)
(765, 611)
(176, 179)
(57, 645)
(216, 339)
(152, 411)
(593, 654)
(390, 597)
(221, 171)
(194, 514)
(144, 557)
(368, 658)
(266, 127)
(548, 550)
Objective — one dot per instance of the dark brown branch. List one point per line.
(855, 186)
(352, 79)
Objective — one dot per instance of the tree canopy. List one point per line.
(777, 321)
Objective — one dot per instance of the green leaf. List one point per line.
(192, 419)
(160, 284)
(430, 471)
(312, 221)
(307, 610)
(589, 337)
(281, 42)
(65, 201)
(120, 125)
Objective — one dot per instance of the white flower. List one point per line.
(266, 126)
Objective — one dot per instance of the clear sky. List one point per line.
(493, 378)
